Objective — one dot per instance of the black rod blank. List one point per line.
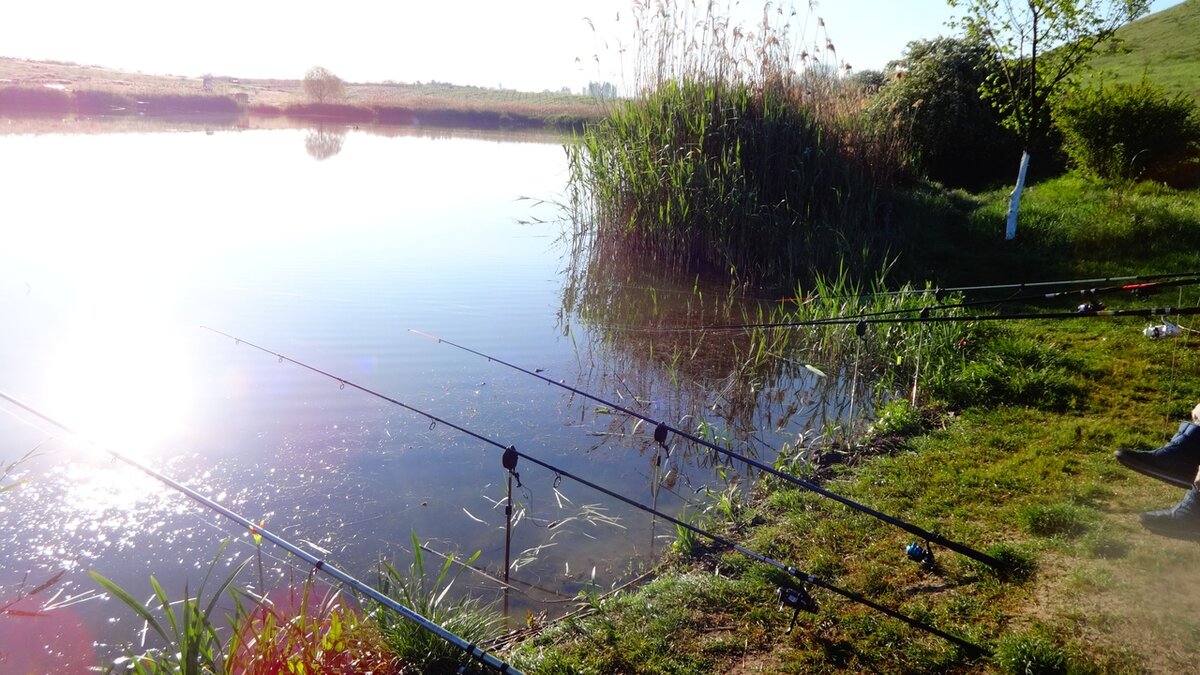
(1140, 288)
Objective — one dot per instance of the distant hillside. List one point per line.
(1164, 46)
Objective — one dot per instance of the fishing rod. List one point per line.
(914, 551)
(1043, 284)
(1139, 288)
(861, 322)
(796, 598)
(317, 563)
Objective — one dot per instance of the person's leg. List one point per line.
(1182, 521)
(1176, 462)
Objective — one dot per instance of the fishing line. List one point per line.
(796, 598)
(317, 563)
(928, 537)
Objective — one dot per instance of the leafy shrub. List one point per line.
(954, 136)
(1130, 131)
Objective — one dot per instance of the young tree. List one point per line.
(321, 85)
(1040, 43)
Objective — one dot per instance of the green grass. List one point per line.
(189, 629)
(1162, 46)
(1069, 227)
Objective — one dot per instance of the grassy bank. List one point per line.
(1012, 454)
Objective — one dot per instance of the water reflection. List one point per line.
(324, 142)
(658, 334)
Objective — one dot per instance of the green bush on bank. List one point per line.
(1126, 131)
(954, 136)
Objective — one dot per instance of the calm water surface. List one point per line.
(118, 247)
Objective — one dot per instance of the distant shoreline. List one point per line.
(23, 101)
(40, 88)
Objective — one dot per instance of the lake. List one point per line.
(326, 247)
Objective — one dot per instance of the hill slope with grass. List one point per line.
(1163, 46)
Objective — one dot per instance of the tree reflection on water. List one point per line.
(322, 143)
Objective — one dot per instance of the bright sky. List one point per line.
(519, 44)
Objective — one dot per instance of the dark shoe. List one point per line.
(1181, 522)
(1176, 462)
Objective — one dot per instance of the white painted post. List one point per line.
(1014, 198)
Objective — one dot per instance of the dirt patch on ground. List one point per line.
(1141, 607)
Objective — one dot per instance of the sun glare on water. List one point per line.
(126, 389)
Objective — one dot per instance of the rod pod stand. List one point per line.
(509, 460)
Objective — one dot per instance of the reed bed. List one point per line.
(743, 154)
(819, 324)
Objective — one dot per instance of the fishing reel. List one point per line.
(798, 600)
(1165, 330)
(1090, 304)
(920, 554)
